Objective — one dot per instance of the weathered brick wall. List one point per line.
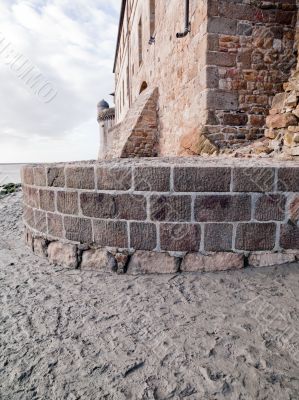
(202, 207)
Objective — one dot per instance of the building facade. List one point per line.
(215, 83)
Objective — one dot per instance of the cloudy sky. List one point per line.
(56, 60)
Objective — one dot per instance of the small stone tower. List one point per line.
(106, 119)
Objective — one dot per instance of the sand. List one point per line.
(66, 334)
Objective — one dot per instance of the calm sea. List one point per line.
(10, 173)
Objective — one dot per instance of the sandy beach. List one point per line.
(66, 334)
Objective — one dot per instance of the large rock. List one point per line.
(40, 247)
(149, 262)
(98, 259)
(214, 262)
(281, 120)
(268, 259)
(63, 254)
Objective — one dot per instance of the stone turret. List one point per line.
(106, 119)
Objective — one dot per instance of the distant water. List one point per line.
(10, 173)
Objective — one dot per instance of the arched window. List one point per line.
(143, 87)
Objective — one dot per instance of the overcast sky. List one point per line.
(68, 46)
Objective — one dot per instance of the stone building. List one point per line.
(198, 76)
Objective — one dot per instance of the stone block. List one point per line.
(114, 178)
(218, 208)
(110, 233)
(180, 237)
(31, 197)
(289, 236)
(40, 218)
(80, 177)
(288, 179)
(255, 236)
(195, 262)
(67, 202)
(148, 262)
(270, 207)
(47, 200)
(222, 100)
(55, 225)
(143, 236)
(218, 237)
(78, 229)
(226, 26)
(99, 260)
(269, 259)
(63, 254)
(170, 208)
(118, 206)
(40, 247)
(40, 178)
(235, 119)
(155, 179)
(55, 176)
(281, 120)
(253, 179)
(194, 179)
(28, 216)
(293, 209)
(221, 59)
(27, 175)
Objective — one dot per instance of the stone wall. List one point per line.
(162, 215)
(137, 135)
(216, 85)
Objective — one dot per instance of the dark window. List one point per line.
(140, 41)
(152, 6)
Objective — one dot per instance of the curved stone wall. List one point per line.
(163, 215)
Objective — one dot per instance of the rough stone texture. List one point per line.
(289, 236)
(122, 206)
(40, 178)
(80, 177)
(288, 180)
(78, 229)
(137, 136)
(191, 179)
(220, 208)
(152, 179)
(55, 225)
(269, 259)
(218, 237)
(143, 236)
(170, 208)
(254, 236)
(63, 254)
(40, 218)
(98, 259)
(110, 233)
(47, 200)
(270, 207)
(253, 179)
(114, 178)
(55, 177)
(294, 209)
(180, 237)
(67, 202)
(215, 262)
(147, 262)
(40, 247)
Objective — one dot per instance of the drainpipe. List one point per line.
(187, 28)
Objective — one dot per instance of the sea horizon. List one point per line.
(10, 173)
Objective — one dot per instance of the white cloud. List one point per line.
(72, 44)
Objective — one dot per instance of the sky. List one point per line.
(56, 61)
